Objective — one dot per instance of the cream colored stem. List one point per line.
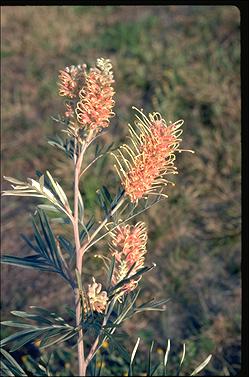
(79, 257)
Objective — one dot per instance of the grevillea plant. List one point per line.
(144, 165)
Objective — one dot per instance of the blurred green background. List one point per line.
(183, 61)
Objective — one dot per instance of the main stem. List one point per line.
(79, 251)
(79, 255)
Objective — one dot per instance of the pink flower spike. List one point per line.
(143, 168)
(96, 97)
(129, 247)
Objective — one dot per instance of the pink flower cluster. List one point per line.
(96, 97)
(152, 157)
(89, 95)
(129, 247)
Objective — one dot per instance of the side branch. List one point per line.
(88, 244)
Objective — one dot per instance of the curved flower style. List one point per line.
(96, 97)
(129, 247)
(69, 80)
(96, 298)
(151, 158)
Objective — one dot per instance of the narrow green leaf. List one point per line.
(165, 361)
(41, 181)
(154, 304)
(48, 236)
(39, 241)
(120, 348)
(49, 208)
(5, 370)
(63, 338)
(107, 194)
(51, 242)
(78, 277)
(38, 173)
(14, 180)
(20, 193)
(183, 354)
(25, 262)
(52, 334)
(34, 317)
(47, 313)
(86, 229)
(18, 324)
(45, 192)
(154, 369)
(133, 356)
(130, 270)
(60, 220)
(101, 200)
(16, 336)
(110, 272)
(181, 361)
(151, 305)
(140, 272)
(81, 208)
(201, 366)
(125, 309)
(119, 195)
(58, 189)
(66, 245)
(149, 359)
(26, 339)
(13, 362)
(31, 245)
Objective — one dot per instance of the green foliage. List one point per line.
(107, 361)
(48, 256)
(9, 366)
(126, 280)
(46, 188)
(67, 146)
(50, 329)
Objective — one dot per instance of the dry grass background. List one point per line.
(183, 61)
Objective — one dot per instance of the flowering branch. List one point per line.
(142, 168)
